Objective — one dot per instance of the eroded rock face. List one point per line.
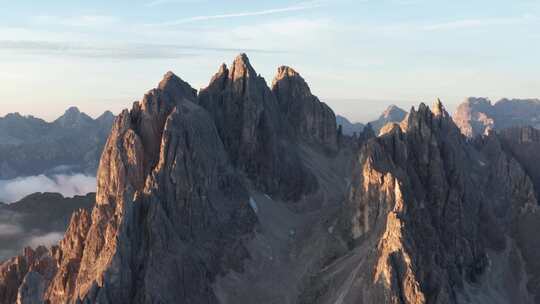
(432, 219)
(170, 213)
(254, 132)
(310, 119)
(24, 278)
(182, 213)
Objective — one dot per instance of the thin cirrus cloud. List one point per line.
(297, 7)
(162, 2)
(115, 51)
(76, 21)
(476, 23)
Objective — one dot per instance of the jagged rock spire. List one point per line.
(310, 119)
(438, 108)
(164, 177)
(254, 131)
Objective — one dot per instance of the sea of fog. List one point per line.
(68, 185)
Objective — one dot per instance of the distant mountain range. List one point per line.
(38, 219)
(391, 114)
(31, 146)
(244, 193)
(476, 116)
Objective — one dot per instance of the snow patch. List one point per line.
(253, 205)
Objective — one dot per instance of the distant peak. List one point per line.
(73, 110)
(107, 115)
(393, 110)
(478, 100)
(13, 115)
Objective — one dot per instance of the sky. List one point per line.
(358, 56)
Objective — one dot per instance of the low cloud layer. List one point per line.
(48, 239)
(9, 229)
(68, 185)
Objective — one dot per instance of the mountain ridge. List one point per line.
(221, 198)
(31, 146)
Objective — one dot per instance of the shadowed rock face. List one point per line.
(170, 212)
(433, 219)
(310, 120)
(523, 143)
(181, 215)
(37, 219)
(349, 128)
(477, 116)
(255, 133)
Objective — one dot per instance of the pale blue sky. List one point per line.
(358, 56)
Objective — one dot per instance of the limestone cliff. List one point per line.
(254, 132)
(216, 199)
(309, 119)
(433, 219)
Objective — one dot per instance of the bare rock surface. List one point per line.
(477, 116)
(310, 119)
(254, 131)
(215, 199)
(432, 219)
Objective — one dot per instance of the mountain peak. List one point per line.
(223, 69)
(439, 109)
(393, 111)
(392, 114)
(284, 71)
(241, 58)
(288, 77)
(73, 110)
(175, 87)
(167, 78)
(241, 68)
(73, 117)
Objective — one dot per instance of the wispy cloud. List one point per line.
(298, 7)
(475, 23)
(161, 2)
(115, 51)
(67, 185)
(76, 21)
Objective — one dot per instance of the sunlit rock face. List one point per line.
(432, 218)
(223, 197)
(167, 195)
